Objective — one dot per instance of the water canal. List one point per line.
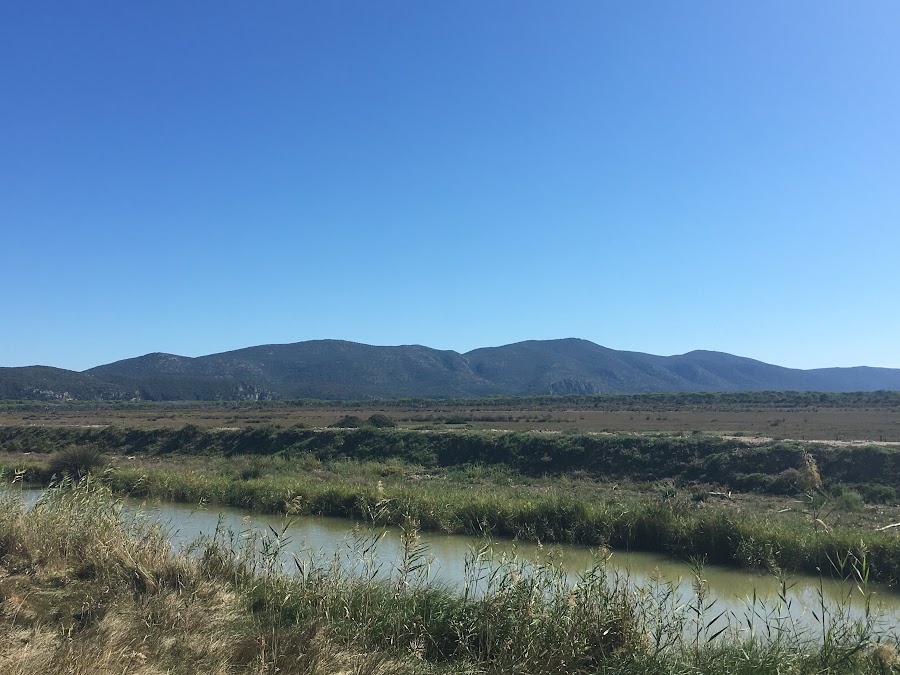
(745, 596)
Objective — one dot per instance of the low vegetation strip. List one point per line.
(647, 401)
(496, 502)
(543, 488)
(85, 590)
(662, 522)
(731, 463)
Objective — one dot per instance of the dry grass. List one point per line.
(876, 424)
(85, 592)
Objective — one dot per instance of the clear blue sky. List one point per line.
(192, 177)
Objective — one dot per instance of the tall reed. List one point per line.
(123, 601)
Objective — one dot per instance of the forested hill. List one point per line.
(336, 369)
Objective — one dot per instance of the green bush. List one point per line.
(347, 422)
(849, 501)
(876, 494)
(381, 421)
(77, 461)
(458, 419)
(786, 482)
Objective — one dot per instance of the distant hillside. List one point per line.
(43, 383)
(575, 366)
(336, 369)
(332, 369)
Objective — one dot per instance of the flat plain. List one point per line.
(848, 424)
(771, 483)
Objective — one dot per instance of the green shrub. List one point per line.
(849, 501)
(381, 421)
(77, 461)
(876, 494)
(347, 422)
(753, 482)
(457, 420)
(786, 482)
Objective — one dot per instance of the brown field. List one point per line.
(825, 424)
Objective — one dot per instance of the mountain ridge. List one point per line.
(340, 369)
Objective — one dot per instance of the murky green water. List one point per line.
(742, 593)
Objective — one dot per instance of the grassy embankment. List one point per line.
(84, 591)
(549, 488)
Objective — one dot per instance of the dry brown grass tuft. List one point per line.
(84, 591)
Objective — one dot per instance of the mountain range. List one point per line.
(337, 369)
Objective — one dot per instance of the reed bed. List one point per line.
(773, 467)
(667, 522)
(87, 589)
